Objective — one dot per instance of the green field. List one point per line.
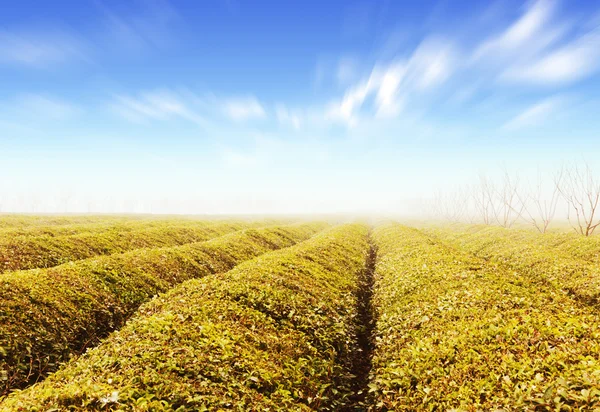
(172, 314)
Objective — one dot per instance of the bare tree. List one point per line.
(451, 206)
(483, 199)
(509, 205)
(538, 209)
(581, 190)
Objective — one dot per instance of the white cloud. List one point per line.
(246, 108)
(392, 84)
(148, 26)
(43, 106)
(157, 105)
(527, 35)
(534, 115)
(347, 70)
(388, 102)
(536, 50)
(288, 117)
(432, 63)
(569, 63)
(39, 49)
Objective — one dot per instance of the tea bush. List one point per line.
(273, 334)
(457, 333)
(46, 315)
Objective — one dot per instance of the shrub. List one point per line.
(455, 332)
(568, 262)
(45, 251)
(275, 333)
(46, 315)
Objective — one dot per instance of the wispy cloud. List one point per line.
(391, 84)
(538, 50)
(569, 63)
(286, 116)
(39, 107)
(167, 104)
(39, 49)
(347, 70)
(43, 106)
(156, 105)
(530, 33)
(535, 114)
(243, 108)
(148, 26)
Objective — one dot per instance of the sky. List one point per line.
(230, 106)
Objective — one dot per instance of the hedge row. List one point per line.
(273, 334)
(567, 243)
(10, 233)
(46, 315)
(47, 251)
(457, 333)
(21, 221)
(122, 225)
(95, 227)
(545, 257)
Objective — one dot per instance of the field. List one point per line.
(173, 314)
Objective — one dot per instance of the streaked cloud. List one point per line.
(150, 25)
(287, 117)
(155, 105)
(392, 84)
(43, 106)
(243, 108)
(535, 114)
(568, 63)
(528, 34)
(39, 49)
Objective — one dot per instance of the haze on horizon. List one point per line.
(279, 107)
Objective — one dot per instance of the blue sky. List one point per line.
(244, 107)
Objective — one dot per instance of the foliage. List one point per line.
(25, 221)
(567, 261)
(46, 315)
(275, 333)
(458, 333)
(43, 251)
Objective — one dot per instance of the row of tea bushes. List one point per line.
(536, 256)
(22, 221)
(122, 225)
(46, 315)
(457, 333)
(566, 243)
(24, 253)
(274, 334)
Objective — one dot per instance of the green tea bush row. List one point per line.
(457, 333)
(122, 225)
(545, 257)
(566, 243)
(21, 221)
(273, 334)
(47, 251)
(46, 315)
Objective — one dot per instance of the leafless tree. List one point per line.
(451, 206)
(539, 209)
(581, 190)
(483, 195)
(509, 205)
(498, 202)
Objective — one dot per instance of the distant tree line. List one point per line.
(507, 200)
